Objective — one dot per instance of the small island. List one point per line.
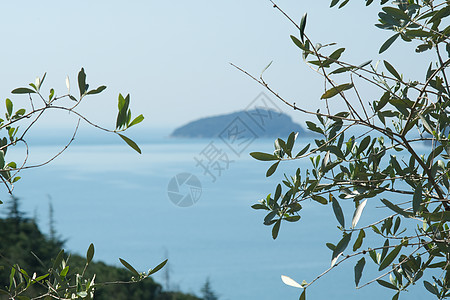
(259, 123)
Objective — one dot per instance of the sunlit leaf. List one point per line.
(359, 240)
(302, 27)
(358, 212)
(336, 90)
(291, 282)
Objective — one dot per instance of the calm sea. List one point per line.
(105, 193)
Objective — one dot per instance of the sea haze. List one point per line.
(108, 194)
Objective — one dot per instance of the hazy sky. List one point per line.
(173, 56)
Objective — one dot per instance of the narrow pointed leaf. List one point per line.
(137, 120)
(302, 27)
(272, 169)
(390, 258)
(359, 267)
(338, 212)
(396, 208)
(263, 156)
(388, 43)
(358, 212)
(359, 240)
(266, 68)
(341, 246)
(336, 90)
(392, 70)
(417, 199)
(129, 267)
(276, 229)
(386, 284)
(131, 143)
(158, 267)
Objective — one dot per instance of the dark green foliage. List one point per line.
(23, 244)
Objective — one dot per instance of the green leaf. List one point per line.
(122, 116)
(82, 81)
(303, 151)
(64, 271)
(23, 91)
(334, 2)
(390, 257)
(131, 143)
(396, 209)
(386, 284)
(359, 267)
(363, 145)
(392, 70)
(137, 120)
(359, 240)
(90, 253)
(303, 295)
(258, 206)
(336, 90)
(290, 143)
(9, 107)
(437, 216)
(277, 192)
(302, 27)
(388, 43)
(263, 156)
(431, 288)
(319, 199)
(272, 169)
(397, 13)
(129, 267)
(158, 267)
(276, 229)
(358, 212)
(341, 246)
(417, 199)
(337, 53)
(97, 90)
(426, 125)
(338, 212)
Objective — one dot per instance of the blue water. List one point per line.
(105, 193)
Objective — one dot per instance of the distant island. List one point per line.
(251, 123)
